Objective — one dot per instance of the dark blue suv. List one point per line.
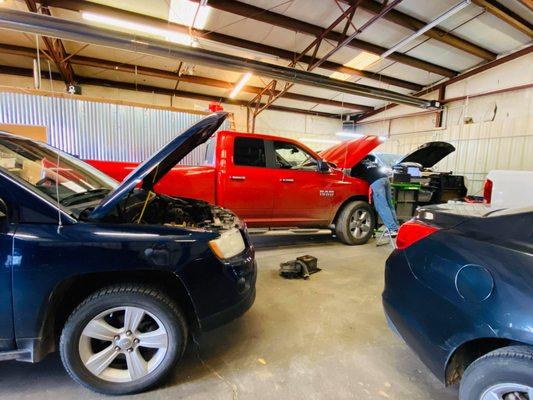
(114, 275)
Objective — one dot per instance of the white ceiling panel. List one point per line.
(425, 10)
(518, 8)
(22, 62)
(442, 54)
(492, 33)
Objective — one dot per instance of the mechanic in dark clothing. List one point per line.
(370, 171)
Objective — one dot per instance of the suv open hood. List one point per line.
(429, 154)
(153, 169)
(350, 152)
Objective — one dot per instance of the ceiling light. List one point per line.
(238, 87)
(427, 27)
(360, 61)
(349, 135)
(184, 11)
(181, 38)
(341, 76)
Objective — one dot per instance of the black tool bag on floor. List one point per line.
(302, 267)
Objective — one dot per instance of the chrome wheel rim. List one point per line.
(360, 223)
(508, 391)
(123, 344)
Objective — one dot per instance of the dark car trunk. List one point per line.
(446, 216)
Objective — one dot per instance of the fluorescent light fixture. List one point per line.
(238, 87)
(312, 140)
(181, 38)
(360, 61)
(438, 20)
(341, 76)
(349, 135)
(183, 12)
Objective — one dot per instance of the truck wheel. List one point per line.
(355, 223)
(123, 339)
(505, 374)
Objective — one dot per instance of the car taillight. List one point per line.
(411, 232)
(487, 191)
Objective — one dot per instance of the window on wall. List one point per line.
(290, 156)
(249, 152)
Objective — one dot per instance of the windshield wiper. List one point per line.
(77, 197)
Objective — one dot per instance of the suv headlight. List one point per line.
(229, 244)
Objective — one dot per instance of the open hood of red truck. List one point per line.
(350, 152)
(153, 169)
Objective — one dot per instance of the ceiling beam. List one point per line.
(79, 5)
(506, 15)
(437, 34)
(348, 14)
(282, 21)
(55, 47)
(458, 78)
(159, 73)
(9, 70)
(67, 29)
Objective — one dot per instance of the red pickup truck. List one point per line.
(271, 181)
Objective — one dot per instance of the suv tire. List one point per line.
(139, 328)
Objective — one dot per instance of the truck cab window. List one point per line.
(290, 156)
(210, 151)
(249, 152)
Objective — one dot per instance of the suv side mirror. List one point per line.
(322, 166)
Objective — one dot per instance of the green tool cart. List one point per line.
(405, 198)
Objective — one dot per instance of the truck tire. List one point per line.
(123, 339)
(506, 373)
(355, 223)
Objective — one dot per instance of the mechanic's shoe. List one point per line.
(393, 234)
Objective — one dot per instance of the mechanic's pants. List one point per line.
(381, 194)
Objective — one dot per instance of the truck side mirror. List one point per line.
(322, 166)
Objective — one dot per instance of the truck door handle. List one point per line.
(286, 180)
(237, 178)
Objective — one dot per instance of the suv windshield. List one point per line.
(52, 173)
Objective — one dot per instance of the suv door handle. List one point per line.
(237, 178)
(286, 180)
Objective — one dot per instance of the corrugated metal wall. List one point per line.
(481, 147)
(100, 131)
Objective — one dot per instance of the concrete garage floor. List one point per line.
(325, 338)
